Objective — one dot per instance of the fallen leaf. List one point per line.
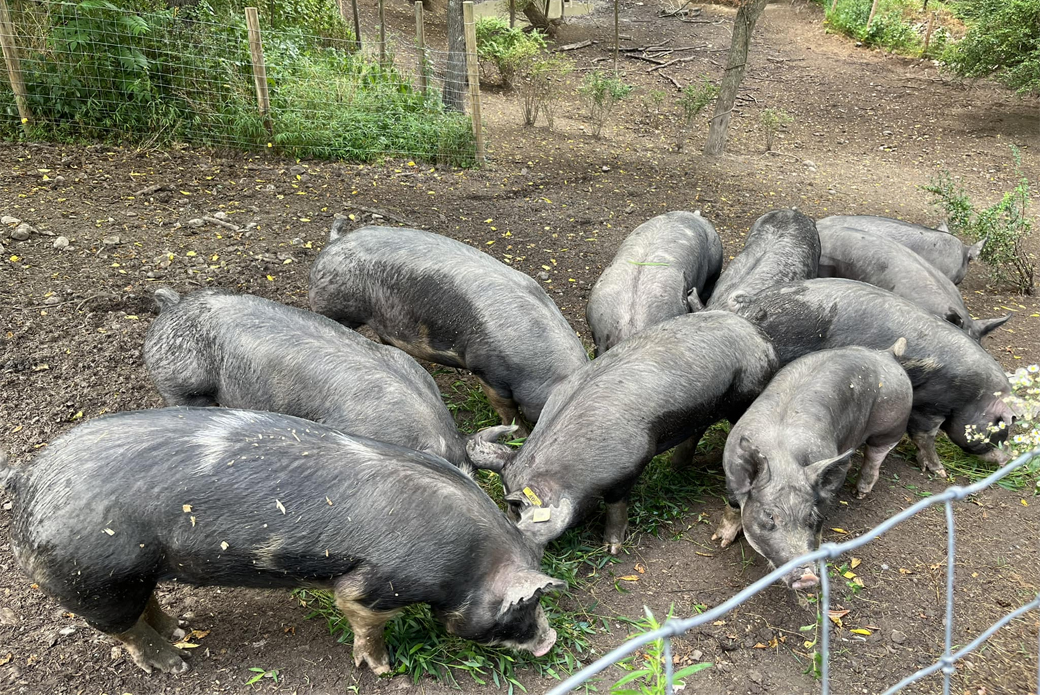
(199, 634)
(839, 530)
(630, 578)
(640, 568)
(836, 616)
(855, 563)
(903, 570)
(861, 631)
(186, 645)
(759, 645)
(857, 581)
(7, 657)
(110, 532)
(186, 508)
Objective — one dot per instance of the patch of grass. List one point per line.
(419, 645)
(959, 464)
(898, 25)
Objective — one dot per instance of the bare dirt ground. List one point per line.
(869, 129)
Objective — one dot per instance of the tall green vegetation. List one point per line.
(143, 72)
(1003, 40)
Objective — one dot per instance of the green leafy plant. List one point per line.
(601, 95)
(892, 28)
(653, 107)
(261, 673)
(693, 99)
(772, 121)
(505, 49)
(1003, 40)
(646, 668)
(1005, 226)
(538, 84)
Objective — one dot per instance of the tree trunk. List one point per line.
(538, 19)
(455, 74)
(744, 24)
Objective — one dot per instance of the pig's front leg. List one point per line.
(682, 455)
(506, 408)
(166, 625)
(730, 527)
(922, 433)
(150, 650)
(368, 626)
(617, 517)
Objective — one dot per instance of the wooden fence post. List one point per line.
(420, 44)
(14, 65)
(512, 13)
(382, 35)
(834, 5)
(928, 33)
(256, 52)
(357, 25)
(474, 76)
(873, 11)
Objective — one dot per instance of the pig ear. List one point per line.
(829, 474)
(987, 326)
(693, 301)
(485, 452)
(742, 472)
(528, 586)
(944, 227)
(975, 249)
(540, 532)
(898, 347)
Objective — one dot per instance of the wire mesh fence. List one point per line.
(97, 71)
(828, 552)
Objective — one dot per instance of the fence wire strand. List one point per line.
(828, 552)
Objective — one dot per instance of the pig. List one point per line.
(937, 246)
(786, 459)
(877, 260)
(242, 351)
(666, 267)
(603, 425)
(782, 246)
(957, 384)
(443, 301)
(222, 497)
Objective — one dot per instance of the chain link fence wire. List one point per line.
(94, 71)
(827, 553)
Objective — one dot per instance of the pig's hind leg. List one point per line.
(166, 625)
(922, 432)
(368, 626)
(873, 456)
(616, 525)
(506, 408)
(150, 650)
(147, 638)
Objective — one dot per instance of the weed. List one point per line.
(538, 83)
(601, 95)
(1005, 225)
(692, 101)
(646, 668)
(504, 48)
(653, 112)
(261, 673)
(772, 121)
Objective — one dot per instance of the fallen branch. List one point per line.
(376, 211)
(154, 189)
(576, 46)
(671, 62)
(222, 223)
(672, 80)
(655, 61)
(681, 9)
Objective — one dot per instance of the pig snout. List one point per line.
(997, 456)
(547, 644)
(802, 578)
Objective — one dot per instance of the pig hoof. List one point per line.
(178, 634)
(862, 494)
(167, 661)
(380, 667)
(941, 472)
(614, 547)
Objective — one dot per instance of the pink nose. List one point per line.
(806, 581)
(543, 649)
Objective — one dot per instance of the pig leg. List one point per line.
(682, 455)
(871, 469)
(617, 517)
(150, 650)
(506, 408)
(166, 625)
(368, 626)
(923, 436)
(730, 527)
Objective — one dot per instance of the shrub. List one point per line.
(601, 94)
(1003, 40)
(692, 101)
(772, 121)
(890, 29)
(646, 672)
(505, 48)
(653, 111)
(1005, 226)
(538, 82)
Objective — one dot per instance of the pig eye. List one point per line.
(770, 521)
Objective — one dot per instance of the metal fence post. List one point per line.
(420, 44)
(14, 65)
(474, 76)
(256, 53)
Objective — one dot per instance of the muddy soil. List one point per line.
(868, 130)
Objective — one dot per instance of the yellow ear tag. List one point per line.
(540, 514)
(529, 493)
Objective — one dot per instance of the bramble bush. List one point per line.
(601, 95)
(1005, 225)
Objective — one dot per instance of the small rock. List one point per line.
(116, 653)
(898, 637)
(605, 168)
(886, 132)
(523, 171)
(269, 188)
(111, 240)
(630, 209)
(696, 654)
(809, 163)
(65, 631)
(8, 617)
(21, 232)
(296, 242)
(859, 44)
(755, 676)
(884, 566)
(8, 506)
(543, 275)
(195, 223)
(44, 232)
(2, 250)
(52, 300)
(297, 170)
(8, 220)
(220, 215)
(61, 243)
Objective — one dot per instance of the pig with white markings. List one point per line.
(782, 246)
(240, 351)
(787, 457)
(665, 268)
(958, 387)
(879, 261)
(219, 497)
(943, 250)
(443, 301)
